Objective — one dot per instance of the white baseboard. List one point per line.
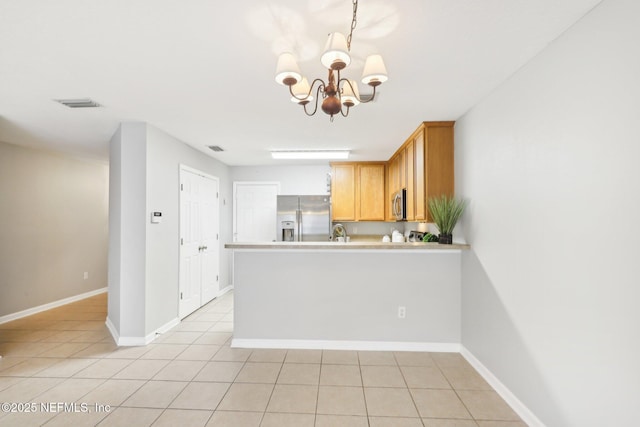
(112, 329)
(139, 341)
(162, 329)
(225, 290)
(345, 345)
(49, 306)
(525, 413)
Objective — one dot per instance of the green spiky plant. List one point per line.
(445, 212)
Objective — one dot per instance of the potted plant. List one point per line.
(445, 212)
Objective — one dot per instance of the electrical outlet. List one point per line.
(402, 312)
(86, 275)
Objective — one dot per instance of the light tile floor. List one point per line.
(191, 377)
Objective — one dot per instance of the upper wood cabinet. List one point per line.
(357, 191)
(370, 199)
(423, 165)
(425, 168)
(393, 184)
(343, 191)
(419, 202)
(410, 185)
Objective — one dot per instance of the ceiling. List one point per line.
(203, 70)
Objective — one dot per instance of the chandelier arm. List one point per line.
(310, 89)
(342, 112)
(373, 95)
(317, 98)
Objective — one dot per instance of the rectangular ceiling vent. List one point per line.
(78, 103)
(216, 148)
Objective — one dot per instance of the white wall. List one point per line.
(549, 162)
(164, 156)
(348, 296)
(127, 233)
(294, 179)
(144, 257)
(53, 227)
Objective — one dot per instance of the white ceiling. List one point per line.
(203, 70)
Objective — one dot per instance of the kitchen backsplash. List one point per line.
(375, 228)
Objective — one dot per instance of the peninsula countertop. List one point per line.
(357, 245)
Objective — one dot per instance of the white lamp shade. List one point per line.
(350, 96)
(287, 70)
(300, 91)
(336, 53)
(374, 71)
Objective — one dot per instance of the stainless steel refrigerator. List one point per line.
(304, 218)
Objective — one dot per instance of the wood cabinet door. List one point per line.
(393, 184)
(343, 192)
(439, 177)
(402, 170)
(419, 191)
(410, 183)
(371, 202)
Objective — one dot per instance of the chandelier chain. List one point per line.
(354, 21)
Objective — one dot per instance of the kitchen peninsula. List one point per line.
(356, 295)
(360, 295)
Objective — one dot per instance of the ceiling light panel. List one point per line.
(311, 154)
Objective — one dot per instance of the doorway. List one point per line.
(255, 206)
(199, 240)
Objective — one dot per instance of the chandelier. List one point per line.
(338, 94)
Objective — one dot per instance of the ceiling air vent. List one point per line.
(215, 148)
(78, 103)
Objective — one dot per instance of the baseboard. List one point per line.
(225, 290)
(345, 345)
(112, 329)
(520, 408)
(49, 306)
(139, 341)
(162, 329)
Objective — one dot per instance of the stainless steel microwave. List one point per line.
(399, 205)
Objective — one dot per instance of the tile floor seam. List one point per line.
(415, 405)
(274, 385)
(364, 395)
(464, 404)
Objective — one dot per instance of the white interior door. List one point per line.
(199, 240)
(254, 211)
(210, 236)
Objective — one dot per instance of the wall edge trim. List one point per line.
(345, 345)
(516, 404)
(139, 341)
(48, 306)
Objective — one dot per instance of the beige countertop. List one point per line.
(345, 245)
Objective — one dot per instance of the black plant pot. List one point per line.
(445, 239)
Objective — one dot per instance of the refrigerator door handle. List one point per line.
(299, 224)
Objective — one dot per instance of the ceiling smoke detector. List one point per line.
(79, 103)
(215, 148)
